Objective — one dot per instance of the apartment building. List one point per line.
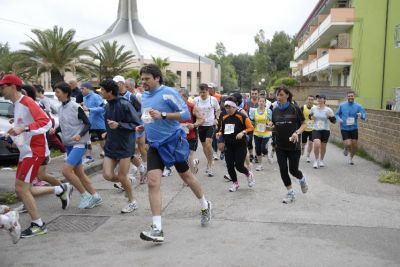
(355, 44)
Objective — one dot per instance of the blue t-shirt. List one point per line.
(347, 112)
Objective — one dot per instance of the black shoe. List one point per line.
(251, 158)
(34, 230)
(65, 196)
(226, 176)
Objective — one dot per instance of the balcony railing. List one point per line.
(333, 57)
(337, 21)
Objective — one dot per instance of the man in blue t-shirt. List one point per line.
(162, 108)
(347, 115)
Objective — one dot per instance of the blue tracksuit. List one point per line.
(95, 104)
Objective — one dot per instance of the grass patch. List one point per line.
(55, 153)
(8, 198)
(390, 177)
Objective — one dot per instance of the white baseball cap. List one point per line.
(118, 79)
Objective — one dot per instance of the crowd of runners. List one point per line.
(144, 133)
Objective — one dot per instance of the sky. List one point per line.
(193, 25)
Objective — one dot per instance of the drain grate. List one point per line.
(76, 223)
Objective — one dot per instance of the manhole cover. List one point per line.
(76, 223)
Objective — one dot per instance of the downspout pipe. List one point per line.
(384, 53)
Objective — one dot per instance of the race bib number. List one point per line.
(310, 124)
(350, 121)
(185, 128)
(146, 118)
(261, 127)
(229, 128)
(320, 125)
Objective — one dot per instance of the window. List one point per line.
(189, 80)
(179, 74)
(339, 79)
(397, 36)
(198, 79)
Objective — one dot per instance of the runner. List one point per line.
(29, 134)
(306, 136)
(162, 107)
(289, 123)
(348, 114)
(121, 121)
(190, 127)
(212, 91)
(209, 107)
(75, 125)
(9, 221)
(234, 128)
(253, 105)
(262, 118)
(321, 115)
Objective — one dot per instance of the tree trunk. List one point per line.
(56, 77)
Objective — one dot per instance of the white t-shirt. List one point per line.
(208, 107)
(321, 121)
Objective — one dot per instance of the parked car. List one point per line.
(7, 152)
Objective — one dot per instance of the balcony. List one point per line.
(338, 21)
(334, 58)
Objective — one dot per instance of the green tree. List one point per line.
(54, 51)
(244, 67)
(170, 78)
(112, 59)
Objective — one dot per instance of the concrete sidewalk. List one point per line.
(346, 219)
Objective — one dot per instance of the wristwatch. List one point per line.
(163, 115)
(26, 129)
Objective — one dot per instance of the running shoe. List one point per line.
(4, 209)
(255, 160)
(84, 201)
(270, 159)
(206, 214)
(153, 234)
(215, 156)
(13, 228)
(94, 201)
(129, 207)
(88, 160)
(321, 163)
(167, 172)
(303, 185)
(250, 180)
(226, 177)
(102, 154)
(351, 162)
(259, 167)
(21, 209)
(316, 164)
(34, 230)
(65, 196)
(345, 151)
(234, 187)
(289, 198)
(222, 156)
(308, 159)
(210, 173)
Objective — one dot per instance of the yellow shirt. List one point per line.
(261, 123)
(310, 123)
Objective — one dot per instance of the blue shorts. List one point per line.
(75, 155)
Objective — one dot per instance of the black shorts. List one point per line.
(353, 134)
(154, 162)
(322, 135)
(193, 144)
(306, 136)
(95, 135)
(206, 132)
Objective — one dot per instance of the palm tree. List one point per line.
(170, 78)
(161, 63)
(56, 52)
(113, 60)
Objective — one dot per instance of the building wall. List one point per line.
(392, 70)
(368, 51)
(379, 136)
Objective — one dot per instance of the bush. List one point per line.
(390, 177)
(288, 81)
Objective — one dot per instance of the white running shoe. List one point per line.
(129, 207)
(234, 187)
(308, 159)
(289, 198)
(196, 163)
(14, 228)
(270, 159)
(167, 172)
(321, 163)
(303, 185)
(351, 162)
(250, 180)
(215, 156)
(345, 151)
(259, 167)
(316, 164)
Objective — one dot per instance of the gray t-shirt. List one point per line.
(321, 115)
(46, 103)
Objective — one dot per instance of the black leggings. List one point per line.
(293, 157)
(261, 145)
(235, 156)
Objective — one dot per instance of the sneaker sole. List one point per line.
(68, 200)
(36, 234)
(95, 205)
(207, 222)
(147, 238)
(288, 202)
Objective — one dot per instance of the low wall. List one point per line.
(379, 135)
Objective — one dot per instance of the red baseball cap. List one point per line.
(11, 79)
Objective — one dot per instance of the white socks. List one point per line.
(157, 222)
(58, 190)
(38, 222)
(203, 203)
